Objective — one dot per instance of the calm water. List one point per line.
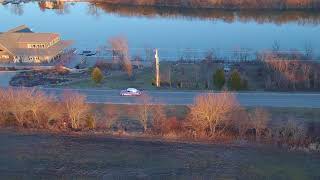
(171, 30)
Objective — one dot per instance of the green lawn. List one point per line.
(118, 80)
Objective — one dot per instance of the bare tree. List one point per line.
(38, 103)
(159, 117)
(76, 107)
(120, 50)
(18, 104)
(213, 110)
(29, 107)
(144, 110)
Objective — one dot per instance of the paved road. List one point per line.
(5, 77)
(266, 99)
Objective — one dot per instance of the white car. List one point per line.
(130, 92)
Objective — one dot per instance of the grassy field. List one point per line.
(182, 76)
(194, 76)
(49, 156)
(118, 80)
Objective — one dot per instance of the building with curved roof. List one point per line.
(21, 45)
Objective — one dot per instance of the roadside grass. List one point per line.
(300, 114)
(127, 116)
(129, 112)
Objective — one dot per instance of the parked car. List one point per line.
(130, 92)
(88, 53)
(227, 68)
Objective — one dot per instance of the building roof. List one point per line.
(22, 28)
(11, 40)
(35, 37)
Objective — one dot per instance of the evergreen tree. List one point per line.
(97, 75)
(235, 82)
(219, 79)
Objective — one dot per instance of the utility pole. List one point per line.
(157, 69)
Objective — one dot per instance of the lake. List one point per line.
(174, 31)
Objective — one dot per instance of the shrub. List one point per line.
(235, 82)
(159, 118)
(292, 133)
(97, 75)
(29, 107)
(90, 121)
(111, 115)
(169, 126)
(144, 110)
(219, 79)
(76, 108)
(259, 119)
(211, 112)
(240, 123)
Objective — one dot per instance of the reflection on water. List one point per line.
(59, 6)
(191, 32)
(259, 16)
(277, 17)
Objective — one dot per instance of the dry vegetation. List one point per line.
(120, 53)
(212, 117)
(290, 73)
(34, 109)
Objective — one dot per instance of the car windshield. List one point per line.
(132, 90)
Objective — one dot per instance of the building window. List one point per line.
(5, 57)
(37, 46)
